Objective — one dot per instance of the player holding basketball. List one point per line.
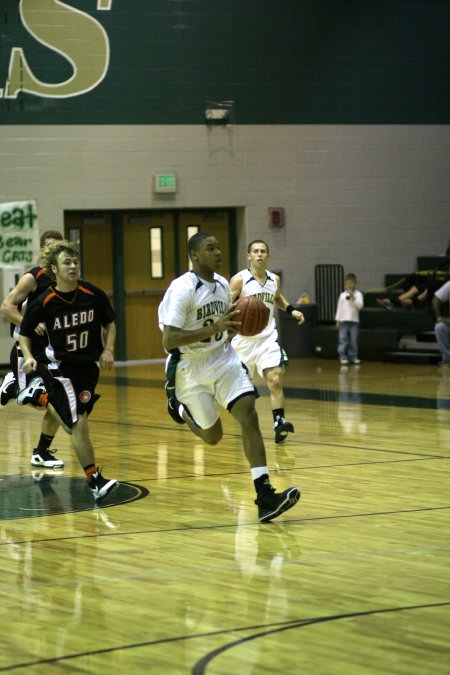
(80, 330)
(203, 372)
(261, 352)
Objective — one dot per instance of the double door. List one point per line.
(134, 257)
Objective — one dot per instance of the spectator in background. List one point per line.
(349, 304)
(442, 326)
(419, 291)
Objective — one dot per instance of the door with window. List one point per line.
(150, 249)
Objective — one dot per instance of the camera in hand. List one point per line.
(348, 297)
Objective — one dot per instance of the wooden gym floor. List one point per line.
(174, 574)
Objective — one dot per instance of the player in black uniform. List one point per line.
(30, 286)
(80, 330)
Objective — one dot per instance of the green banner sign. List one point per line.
(19, 234)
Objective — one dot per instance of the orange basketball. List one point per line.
(254, 315)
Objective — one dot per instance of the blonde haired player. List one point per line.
(262, 352)
(34, 282)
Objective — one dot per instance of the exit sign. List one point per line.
(165, 182)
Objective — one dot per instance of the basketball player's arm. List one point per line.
(236, 286)
(284, 304)
(20, 292)
(178, 337)
(29, 363)
(106, 359)
(33, 317)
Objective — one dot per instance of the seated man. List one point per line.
(442, 327)
(419, 291)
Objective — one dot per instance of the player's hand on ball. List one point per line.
(228, 321)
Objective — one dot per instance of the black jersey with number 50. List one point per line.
(73, 321)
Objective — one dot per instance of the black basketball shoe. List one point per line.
(282, 428)
(271, 505)
(173, 406)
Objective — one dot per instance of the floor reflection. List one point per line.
(48, 492)
(350, 414)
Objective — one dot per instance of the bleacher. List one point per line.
(397, 334)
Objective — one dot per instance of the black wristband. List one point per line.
(290, 309)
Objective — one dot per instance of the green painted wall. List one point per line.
(280, 61)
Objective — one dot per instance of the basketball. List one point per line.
(254, 315)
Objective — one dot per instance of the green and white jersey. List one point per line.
(191, 303)
(265, 292)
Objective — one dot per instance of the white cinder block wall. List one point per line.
(371, 198)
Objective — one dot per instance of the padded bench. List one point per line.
(373, 342)
(401, 320)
